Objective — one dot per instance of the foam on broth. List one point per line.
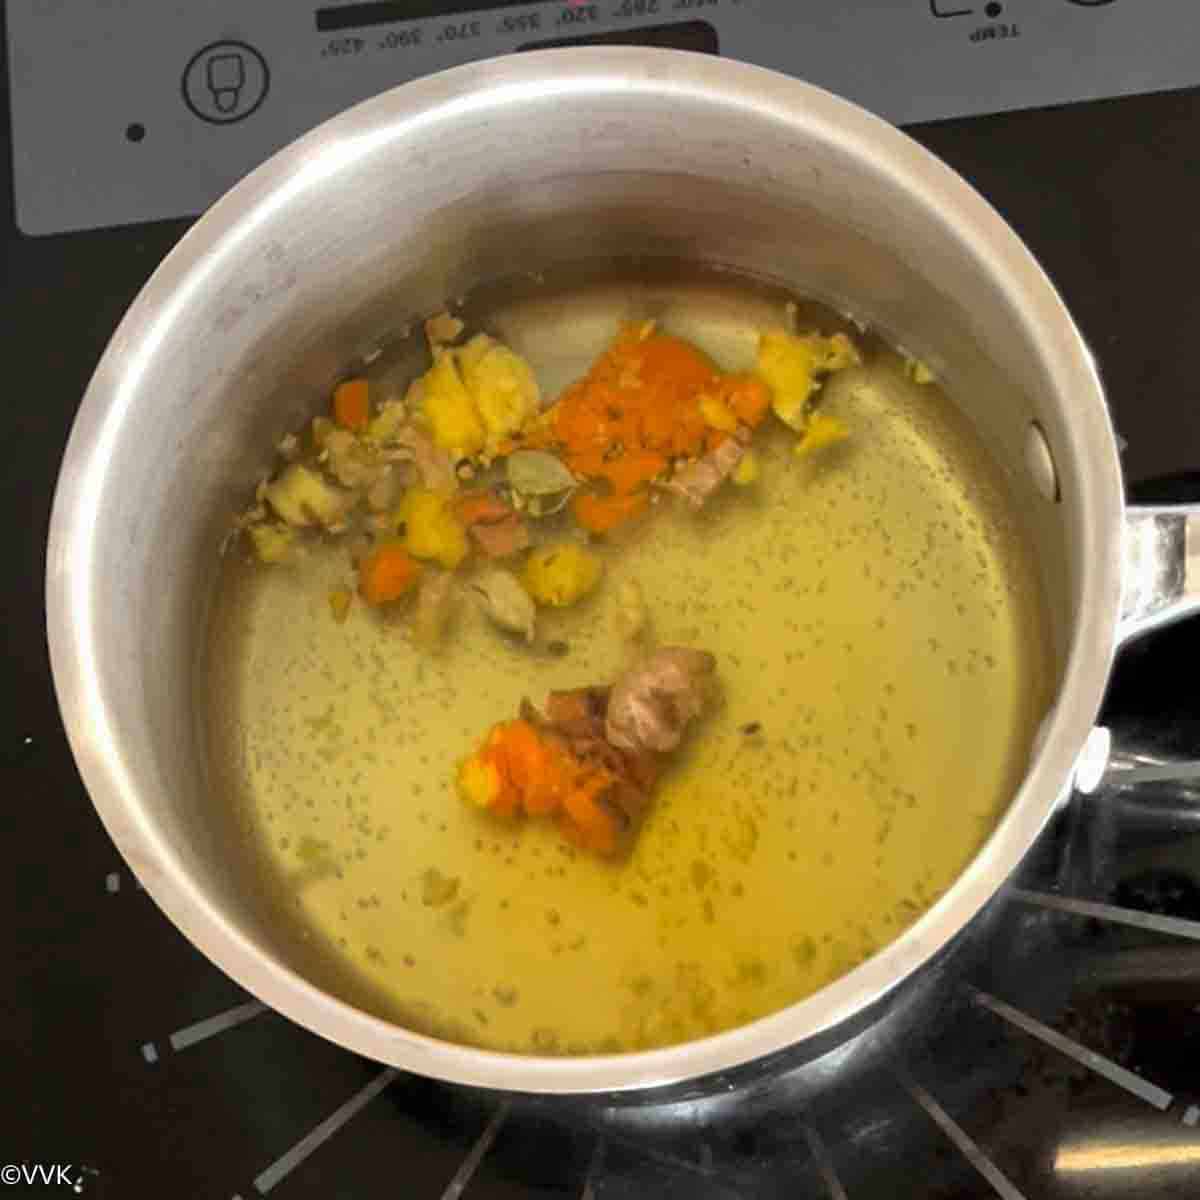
(878, 630)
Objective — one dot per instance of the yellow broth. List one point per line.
(878, 632)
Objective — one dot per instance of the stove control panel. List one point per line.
(136, 110)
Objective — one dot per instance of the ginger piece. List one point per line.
(349, 461)
(630, 617)
(303, 498)
(273, 543)
(697, 481)
(434, 466)
(435, 604)
(652, 703)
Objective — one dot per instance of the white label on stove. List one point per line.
(136, 110)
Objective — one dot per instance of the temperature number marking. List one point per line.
(520, 23)
(345, 45)
(459, 32)
(400, 39)
(995, 33)
(636, 8)
(578, 14)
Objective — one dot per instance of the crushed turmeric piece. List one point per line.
(351, 405)
(558, 575)
(516, 770)
(450, 410)
(432, 530)
(747, 396)
(717, 413)
(503, 386)
(746, 472)
(588, 760)
(823, 430)
(648, 401)
(476, 395)
(384, 575)
(599, 514)
(480, 782)
(792, 365)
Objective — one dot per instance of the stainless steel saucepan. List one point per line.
(487, 171)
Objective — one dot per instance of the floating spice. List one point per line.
(435, 603)
(538, 473)
(560, 574)
(437, 889)
(641, 408)
(592, 756)
(506, 602)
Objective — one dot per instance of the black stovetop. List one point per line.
(107, 1068)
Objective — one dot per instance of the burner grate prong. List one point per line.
(1120, 775)
(1000, 1182)
(1113, 1072)
(464, 1174)
(200, 1031)
(824, 1161)
(288, 1162)
(593, 1171)
(1175, 926)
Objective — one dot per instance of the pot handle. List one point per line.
(1161, 549)
(1160, 585)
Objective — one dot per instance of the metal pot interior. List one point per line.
(378, 218)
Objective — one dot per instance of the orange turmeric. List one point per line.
(386, 573)
(748, 397)
(586, 821)
(599, 514)
(520, 769)
(593, 756)
(635, 412)
(481, 508)
(351, 405)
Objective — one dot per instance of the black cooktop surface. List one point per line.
(138, 1066)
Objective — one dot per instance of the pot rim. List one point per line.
(336, 145)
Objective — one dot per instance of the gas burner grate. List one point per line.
(610, 1152)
